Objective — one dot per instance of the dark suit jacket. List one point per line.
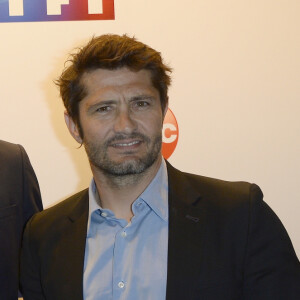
(19, 200)
(224, 243)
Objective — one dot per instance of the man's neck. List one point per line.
(117, 193)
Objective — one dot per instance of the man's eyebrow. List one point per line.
(141, 97)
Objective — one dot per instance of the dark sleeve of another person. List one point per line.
(32, 202)
(19, 199)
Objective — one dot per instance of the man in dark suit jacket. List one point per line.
(19, 200)
(222, 242)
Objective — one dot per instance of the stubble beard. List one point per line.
(99, 158)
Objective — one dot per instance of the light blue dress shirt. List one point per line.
(128, 261)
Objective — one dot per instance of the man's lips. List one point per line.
(122, 144)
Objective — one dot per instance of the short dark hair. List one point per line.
(111, 52)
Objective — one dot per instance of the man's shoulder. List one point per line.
(216, 186)
(66, 206)
(213, 191)
(68, 209)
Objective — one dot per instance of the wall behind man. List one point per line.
(235, 92)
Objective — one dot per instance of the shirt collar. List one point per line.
(155, 195)
(93, 197)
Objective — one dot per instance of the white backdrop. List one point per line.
(235, 92)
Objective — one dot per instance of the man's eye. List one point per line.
(103, 109)
(142, 104)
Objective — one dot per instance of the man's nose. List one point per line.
(124, 122)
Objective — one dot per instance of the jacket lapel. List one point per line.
(71, 251)
(186, 227)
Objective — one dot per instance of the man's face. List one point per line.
(121, 121)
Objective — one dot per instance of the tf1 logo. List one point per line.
(170, 134)
(55, 10)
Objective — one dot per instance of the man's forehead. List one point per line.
(105, 80)
(116, 76)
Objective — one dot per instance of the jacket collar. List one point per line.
(73, 249)
(79, 206)
(186, 229)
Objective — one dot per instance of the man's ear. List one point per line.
(73, 128)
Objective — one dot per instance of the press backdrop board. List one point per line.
(235, 91)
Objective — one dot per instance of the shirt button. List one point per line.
(123, 234)
(104, 214)
(121, 284)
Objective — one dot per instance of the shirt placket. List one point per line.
(119, 257)
(123, 253)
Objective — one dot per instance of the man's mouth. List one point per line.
(125, 144)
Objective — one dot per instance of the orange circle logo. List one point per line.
(170, 134)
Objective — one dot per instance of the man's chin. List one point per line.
(126, 167)
(131, 167)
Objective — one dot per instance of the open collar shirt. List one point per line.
(128, 261)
